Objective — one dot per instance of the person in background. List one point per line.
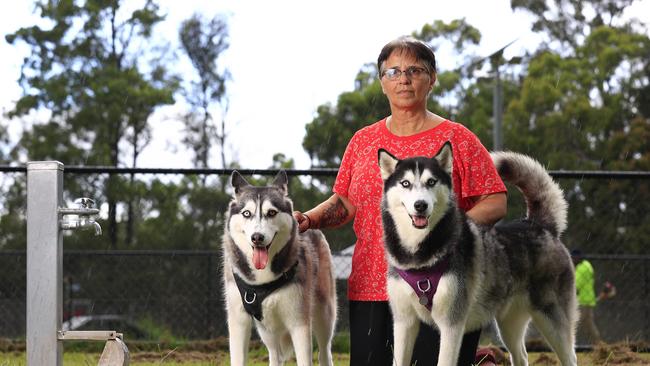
(587, 299)
(407, 71)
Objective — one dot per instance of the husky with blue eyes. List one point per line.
(276, 278)
(457, 276)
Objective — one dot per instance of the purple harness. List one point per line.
(424, 281)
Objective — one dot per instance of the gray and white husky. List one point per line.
(275, 277)
(447, 271)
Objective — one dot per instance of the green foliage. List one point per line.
(203, 41)
(579, 102)
(579, 108)
(475, 109)
(341, 342)
(567, 21)
(458, 31)
(328, 133)
(187, 215)
(13, 215)
(157, 331)
(87, 71)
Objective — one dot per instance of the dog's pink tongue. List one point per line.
(260, 257)
(420, 221)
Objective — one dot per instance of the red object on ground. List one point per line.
(485, 357)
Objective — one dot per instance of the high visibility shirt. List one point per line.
(585, 284)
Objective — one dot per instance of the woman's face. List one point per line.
(409, 90)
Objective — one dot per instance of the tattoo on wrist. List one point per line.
(333, 215)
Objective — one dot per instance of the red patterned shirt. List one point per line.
(359, 180)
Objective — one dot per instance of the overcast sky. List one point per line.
(287, 58)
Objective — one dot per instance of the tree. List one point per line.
(204, 41)
(567, 22)
(87, 69)
(328, 133)
(581, 106)
(578, 102)
(4, 142)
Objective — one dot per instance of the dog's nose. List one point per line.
(257, 238)
(420, 206)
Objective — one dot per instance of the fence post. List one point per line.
(44, 263)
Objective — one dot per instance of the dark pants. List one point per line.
(371, 338)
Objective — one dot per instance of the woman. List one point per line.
(407, 68)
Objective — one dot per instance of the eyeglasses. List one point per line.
(412, 72)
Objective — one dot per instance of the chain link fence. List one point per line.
(177, 293)
(151, 293)
(180, 293)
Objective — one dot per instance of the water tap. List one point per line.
(83, 211)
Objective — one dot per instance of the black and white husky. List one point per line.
(275, 277)
(459, 276)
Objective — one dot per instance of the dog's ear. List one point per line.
(445, 158)
(238, 182)
(281, 181)
(387, 163)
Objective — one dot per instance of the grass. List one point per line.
(258, 358)
(602, 355)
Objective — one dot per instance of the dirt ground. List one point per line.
(617, 354)
(602, 354)
(215, 352)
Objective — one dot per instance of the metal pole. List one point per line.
(44, 263)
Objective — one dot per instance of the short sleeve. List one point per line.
(477, 173)
(344, 176)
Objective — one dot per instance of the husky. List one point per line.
(275, 277)
(459, 276)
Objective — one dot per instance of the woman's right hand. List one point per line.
(333, 212)
(304, 222)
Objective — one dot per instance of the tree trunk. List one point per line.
(112, 200)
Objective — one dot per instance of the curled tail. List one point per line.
(544, 198)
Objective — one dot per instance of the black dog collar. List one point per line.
(253, 295)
